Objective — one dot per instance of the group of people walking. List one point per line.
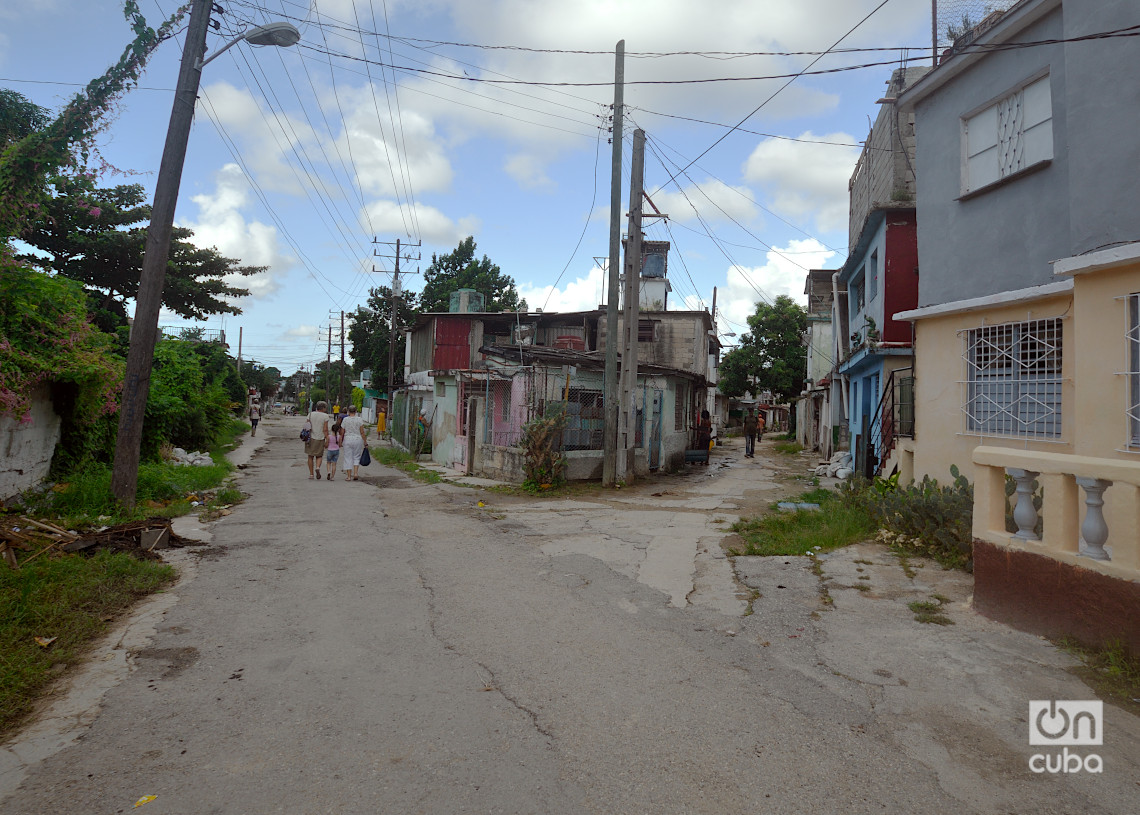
(338, 441)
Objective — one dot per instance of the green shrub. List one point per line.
(544, 464)
(924, 518)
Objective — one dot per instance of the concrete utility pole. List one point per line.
(239, 350)
(610, 437)
(393, 307)
(340, 393)
(144, 332)
(632, 303)
(328, 365)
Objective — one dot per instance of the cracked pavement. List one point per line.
(390, 646)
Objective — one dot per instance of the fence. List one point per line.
(512, 401)
(404, 423)
(959, 21)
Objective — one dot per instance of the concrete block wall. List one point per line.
(28, 446)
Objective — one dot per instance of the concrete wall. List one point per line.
(940, 426)
(1101, 96)
(1002, 238)
(28, 446)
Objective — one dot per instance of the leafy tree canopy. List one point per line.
(372, 330)
(772, 356)
(19, 117)
(98, 237)
(460, 270)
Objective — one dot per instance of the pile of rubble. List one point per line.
(140, 538)
(180, 456)
(838, 467)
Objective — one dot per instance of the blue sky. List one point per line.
(298, 164)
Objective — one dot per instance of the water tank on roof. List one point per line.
(466, 301)
(653, 265)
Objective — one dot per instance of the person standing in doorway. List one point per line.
(315, 446)
(353, 445)
(750, 433)
(254, 417)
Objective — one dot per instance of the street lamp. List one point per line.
(144, 332)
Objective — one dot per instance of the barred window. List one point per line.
(1133, 338)
(1013, 381)
(680, 398)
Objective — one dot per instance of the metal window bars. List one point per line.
(1014, 380)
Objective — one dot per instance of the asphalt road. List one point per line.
(387, 646)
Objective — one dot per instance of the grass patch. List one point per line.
(73, 598)
(788, 448)
(930, 611)
(1110, 670)
(833, 526)
(406, 462)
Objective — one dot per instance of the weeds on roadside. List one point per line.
(72, 598)
(788, 448)
(1111, 670)
(799, 532)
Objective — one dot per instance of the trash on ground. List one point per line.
(44, 642)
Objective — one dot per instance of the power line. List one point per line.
(776, 93)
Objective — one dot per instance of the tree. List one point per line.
(460, 270)
(772, 356)
(96, 236)
(371, 332)
(266, 379)
(19, 117)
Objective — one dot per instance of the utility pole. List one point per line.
(610, 399)
(328, 364)
(340, 393)
(144, 331)
(393, 307)
(632, 301)
(239, 350)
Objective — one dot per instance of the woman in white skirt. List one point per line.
(353, 446)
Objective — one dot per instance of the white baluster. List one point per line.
(1094, 530)
(1024, 513)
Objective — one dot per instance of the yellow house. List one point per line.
(1027, 334)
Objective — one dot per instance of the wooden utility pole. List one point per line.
(610, 437)
(144, 332)
(632, 309)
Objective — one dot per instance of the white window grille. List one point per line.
(1133, 338)
(1013, 379)
(1010, 135)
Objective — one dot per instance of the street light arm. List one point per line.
(281, 34)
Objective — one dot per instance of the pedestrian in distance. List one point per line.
(750, 433)
(254, 417)
(332, 450)
(704, 434)
(315, 447)
(354, 442)
(760, 423)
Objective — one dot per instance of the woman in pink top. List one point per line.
(332, 451)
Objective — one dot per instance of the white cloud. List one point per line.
(783, 273)
(265, 147)
(221, 225)
(302, 332)
(806, 179)
(528, 170)
(712, 198)
(584, 293)
(388, 217)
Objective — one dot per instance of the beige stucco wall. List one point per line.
(940, 426)
(1098, 332)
